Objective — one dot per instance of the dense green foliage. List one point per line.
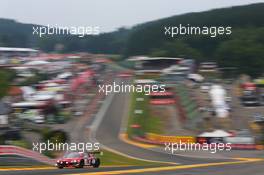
(6, 77)
(242, 49)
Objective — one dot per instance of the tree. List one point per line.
(245, 51)
(176, 49)
(6, 77)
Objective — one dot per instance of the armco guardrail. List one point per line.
(19, 151)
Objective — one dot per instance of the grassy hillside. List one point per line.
(244, 48)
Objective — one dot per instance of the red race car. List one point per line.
(78, 160)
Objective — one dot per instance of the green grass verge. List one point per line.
(111, 159)
(147, 122)
(107, 159)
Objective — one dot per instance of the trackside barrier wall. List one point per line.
(170, 139)
(19, 151)
(233, 146)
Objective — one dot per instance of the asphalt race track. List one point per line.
(55, 171)
(108, 135)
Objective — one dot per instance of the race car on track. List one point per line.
(78, 160)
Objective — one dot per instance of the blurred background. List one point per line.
(49, 85)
